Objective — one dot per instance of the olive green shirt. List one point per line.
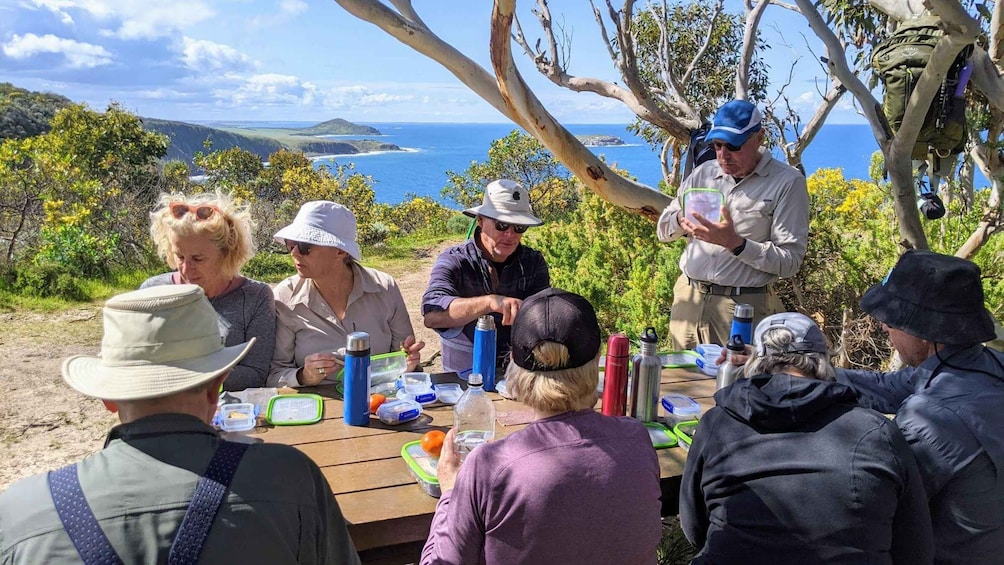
(279, 509)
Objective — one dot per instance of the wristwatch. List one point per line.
(739, 248)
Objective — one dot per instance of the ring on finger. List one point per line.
(320, 371)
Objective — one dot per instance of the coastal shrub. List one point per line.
(73, 249)
(43, 280)
(458, 224)
(612, 258)
(269, 266)
(418, 213)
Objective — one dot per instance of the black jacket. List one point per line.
(789, 470)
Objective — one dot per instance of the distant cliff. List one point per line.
(188, 139)
(600, 140)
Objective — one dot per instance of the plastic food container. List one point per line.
(680, 408)
(384, 368)
(418, 387)
(398, 411)
(678, 359)
(661, 436)
(424, 399)
(422, 466)
(294, 409)
(503, 389)
(705, 201)
(450, 393)
(684, 431)
(387, 389)
(708, 366)
(237, 417)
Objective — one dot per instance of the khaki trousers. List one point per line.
(707, 318)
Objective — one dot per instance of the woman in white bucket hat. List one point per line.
(330, 296)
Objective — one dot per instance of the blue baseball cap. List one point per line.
(735, 122)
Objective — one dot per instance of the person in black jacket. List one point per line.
(788, 469)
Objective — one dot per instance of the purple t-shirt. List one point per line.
(463, 271)
(579, 487)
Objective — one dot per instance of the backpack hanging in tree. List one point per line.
(899, 62)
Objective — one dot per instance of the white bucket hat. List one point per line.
(506, 201)
(157, 341)
(324, 223)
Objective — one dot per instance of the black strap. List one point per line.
(206, 503)
(78, 519)
(90, 540)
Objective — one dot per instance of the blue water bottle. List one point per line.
(357, 379)
(742, 322)
(484, 351)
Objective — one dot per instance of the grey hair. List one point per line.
(775, 340)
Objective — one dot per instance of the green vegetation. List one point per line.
(26, 114)
(336, 126)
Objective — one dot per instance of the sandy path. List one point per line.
(44, 424)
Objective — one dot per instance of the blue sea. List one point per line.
(431, 149)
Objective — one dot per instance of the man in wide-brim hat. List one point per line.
(492, 273)
(166, 482)
(949, 401)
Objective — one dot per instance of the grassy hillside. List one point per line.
(24, 113)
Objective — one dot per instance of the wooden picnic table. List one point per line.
(388, 512)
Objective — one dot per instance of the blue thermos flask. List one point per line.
(357, 379)
(484, 351)
(742, 322)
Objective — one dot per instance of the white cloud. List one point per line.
(384, 98)
(293, 7)
(135, 19)
(288, 9)
(78, 55)
(271, 89)
(202, 55)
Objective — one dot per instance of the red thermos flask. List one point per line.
(615, 375)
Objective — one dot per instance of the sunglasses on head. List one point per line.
(502, 226)
(303, 248)
(202, 211)
(733, 148)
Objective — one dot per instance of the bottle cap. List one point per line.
(618, 345)
(485, 323)
(649, 335)
(736, 343)
(475, 379)
(357, 341)
(744, 311)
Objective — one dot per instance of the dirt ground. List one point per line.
(44, 424)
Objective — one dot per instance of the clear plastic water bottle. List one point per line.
(473, 418)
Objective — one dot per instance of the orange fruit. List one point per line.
(432, 442)
(375, 401)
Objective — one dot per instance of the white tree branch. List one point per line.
(753, 16)
(899, 10)
(715, 13)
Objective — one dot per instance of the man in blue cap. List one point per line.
(734, 253)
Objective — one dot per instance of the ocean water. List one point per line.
(433, 148)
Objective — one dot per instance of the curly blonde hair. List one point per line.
(562, 390)
(229, 227)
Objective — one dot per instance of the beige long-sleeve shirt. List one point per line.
(770, 208)
(306, 324)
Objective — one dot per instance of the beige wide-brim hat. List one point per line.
(506, 201)
(324, 223)
(157, 341)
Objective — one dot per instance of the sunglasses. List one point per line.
(502, 226)
(303, 248)
(202, 211)
(733, 148)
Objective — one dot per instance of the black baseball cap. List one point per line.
(560, 316)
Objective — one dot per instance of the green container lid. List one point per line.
(294, 409)
(422, 466)
(684, 431)
(660, 435)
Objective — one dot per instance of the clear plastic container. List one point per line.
(424, 398)
(680, 408)
(418, 387)
(684, 432)
(422, 466)
(387, 367)
(705, 201)
(237, 417)
(449, 393)
(398, 411)
(707, 365)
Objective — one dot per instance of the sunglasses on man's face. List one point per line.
(502, 226)
(202, 211)
(303, 248)
(733, 148)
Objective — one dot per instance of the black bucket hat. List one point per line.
(559, 316)
(934, 297)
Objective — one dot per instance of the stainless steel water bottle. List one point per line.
(646, 374)
(729, 371)
(357, 379)
(484, 351)
(615, 375)
(742, 322)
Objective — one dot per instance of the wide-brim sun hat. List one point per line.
(735, 122)
(508, 202)
(157, 341)
(935, 297)
(324, 223)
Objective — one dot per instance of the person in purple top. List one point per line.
(490, 274)
(574, 486)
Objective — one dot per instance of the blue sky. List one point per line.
(208, 60)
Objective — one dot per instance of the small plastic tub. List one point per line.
(684, 431)
(450, 393)
(398, 411)
(680, 408)
(238, 417)
(423, 399)
(387, 367)
(418, 387)
(422, 466)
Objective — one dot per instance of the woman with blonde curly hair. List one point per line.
(574, 486)
(207, 239)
